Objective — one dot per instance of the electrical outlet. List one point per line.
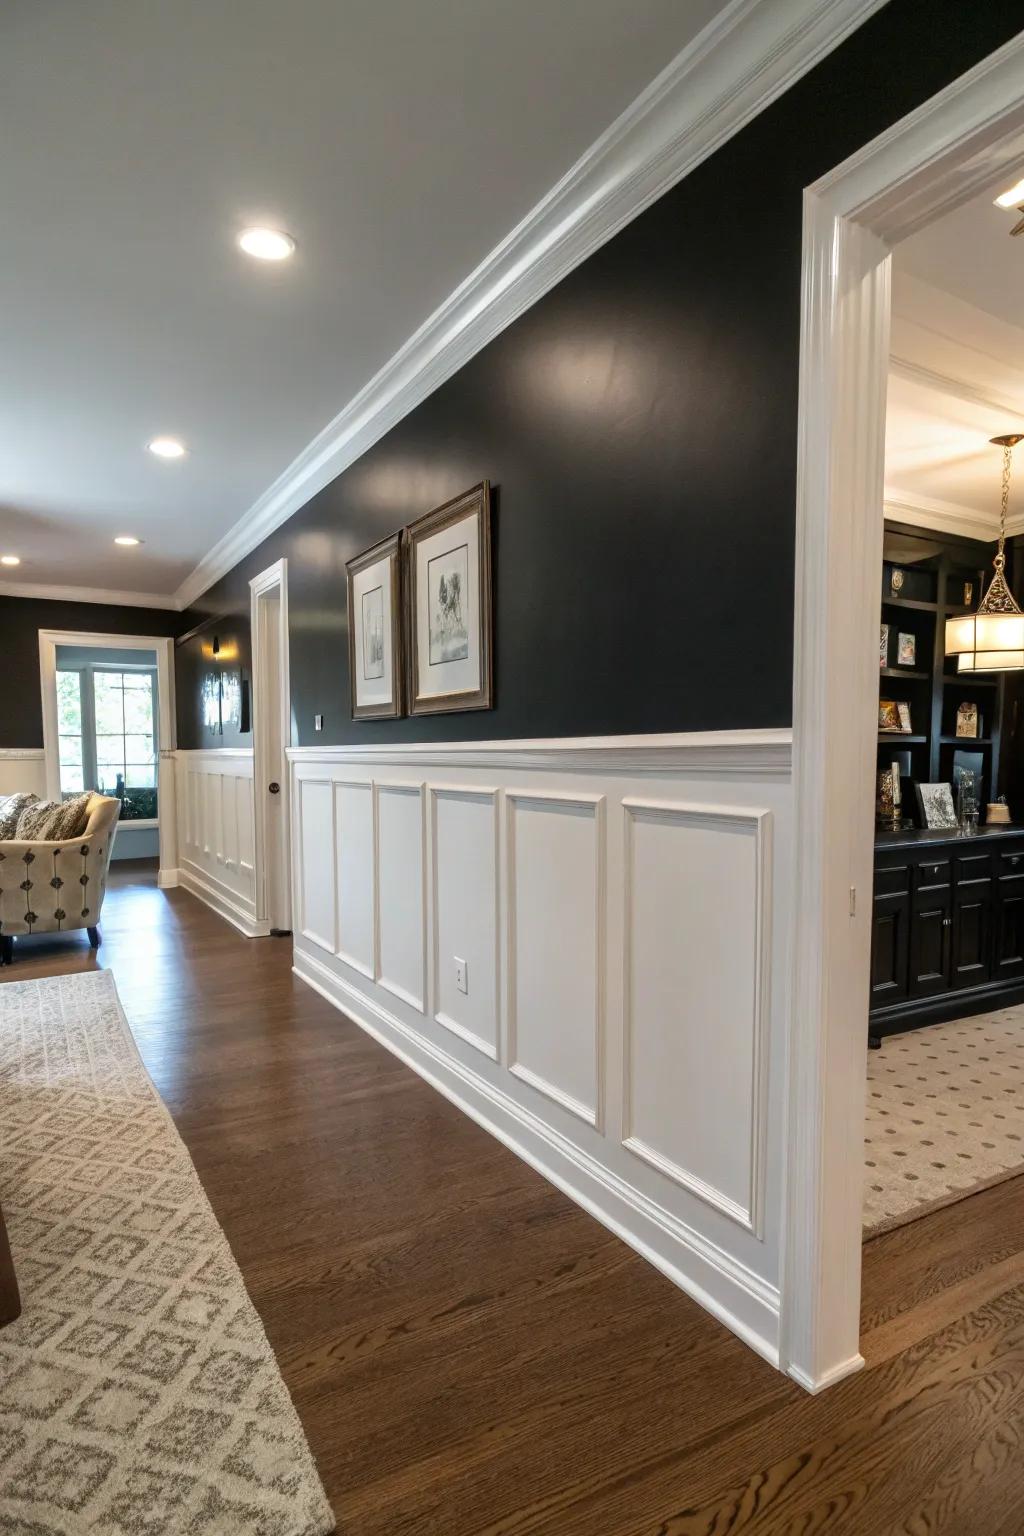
(318, 722)
(461, 975)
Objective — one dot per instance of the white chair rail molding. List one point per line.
(575, 941)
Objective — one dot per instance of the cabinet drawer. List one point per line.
(1012, 862)
(969, 868)
(933, 873)
(893, 880)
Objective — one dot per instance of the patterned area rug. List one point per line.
(138, 1393)
(945, 1116)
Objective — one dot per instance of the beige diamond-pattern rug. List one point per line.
(945, 1116)
(138, 1393)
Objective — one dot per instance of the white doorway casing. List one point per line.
(939, 156)
(271, 723)
(163, 647)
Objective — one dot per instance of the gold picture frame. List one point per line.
(376, 659)
(448, 606)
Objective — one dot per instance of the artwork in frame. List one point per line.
(906, 651)
(375, 654)
(935, 802)
(448, 606)
(888, 715)
(883, 646)
(967, 720)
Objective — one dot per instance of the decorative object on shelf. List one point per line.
(906, 650)
(896, 581)
(374, 631)
(967, 803)
(448, 606)
(968, 593)
(992, 639)
(935, 802)
(888, 715)
(972, 763)
(886, 790)
(903, 711)
(997, 813)
(883, 646)
(967, 720)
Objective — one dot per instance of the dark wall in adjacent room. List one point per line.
(638, 426)
(195, 661)
(21, 619)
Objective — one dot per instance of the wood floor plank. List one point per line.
(472, 1355)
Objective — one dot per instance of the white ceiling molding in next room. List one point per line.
(163, 379)
(956, 371)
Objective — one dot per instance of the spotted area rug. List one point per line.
(138, 1393)
(945, 1116)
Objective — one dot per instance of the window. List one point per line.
(107, 728)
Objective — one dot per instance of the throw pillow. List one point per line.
(11, 808)
(53, 821)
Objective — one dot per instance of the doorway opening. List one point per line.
(964, 141)
(271, 736)
(108, 725)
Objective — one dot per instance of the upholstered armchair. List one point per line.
(57, 887)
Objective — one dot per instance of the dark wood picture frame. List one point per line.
(389, 549)
(472, 503)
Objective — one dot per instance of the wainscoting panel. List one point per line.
(22, 769)
(696, 937)
(356, 877)
(556, 901)
(464, 848)
(578, 942)
(216, 832)
(316, 873)
(402, 945)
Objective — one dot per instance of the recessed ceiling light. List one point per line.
(1012, 197)
(166, 448)
(267, 244)
(10, 559)
(127, 539)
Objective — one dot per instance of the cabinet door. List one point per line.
(972, 935)
(931, 927)
(890, 950)
(1009, 945)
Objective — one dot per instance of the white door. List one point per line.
(270, 767)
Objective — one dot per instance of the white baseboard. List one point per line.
(167, 879)
(746, 1304)
(223, 904)
(827, 1378)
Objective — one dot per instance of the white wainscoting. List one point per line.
(618, 908)
(22, 768)
(216, 833)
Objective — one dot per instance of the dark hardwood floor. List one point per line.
(472, 1355)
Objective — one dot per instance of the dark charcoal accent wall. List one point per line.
(194, 660)
(639, 427)
(21, 619)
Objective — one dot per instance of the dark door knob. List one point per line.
(274, 787)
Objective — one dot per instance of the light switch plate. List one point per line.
(318, 722)
(461, 975)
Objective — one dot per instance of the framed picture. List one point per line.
(968, 593)
(883, 646)
(903, 711)
(906, 651)
(967, 720)
(896, 581)
(448, 606)
(888, 715)
(375, 631)
(935, 802)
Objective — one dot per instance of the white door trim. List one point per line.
(275, 576)
(163, 645)
(930, 162)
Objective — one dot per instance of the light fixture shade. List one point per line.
(980, 634)
(991, 661)
(992, 640)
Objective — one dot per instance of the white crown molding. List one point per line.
(939, 516)
(741, 62)
(957, 389)
(34, 754)
(760, 752)
(89, 595)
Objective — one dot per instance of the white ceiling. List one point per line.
(957, 370)
(397, 140)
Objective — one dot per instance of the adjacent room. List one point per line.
(462, 855)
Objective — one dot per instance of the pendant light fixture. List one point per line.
(992, 640)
